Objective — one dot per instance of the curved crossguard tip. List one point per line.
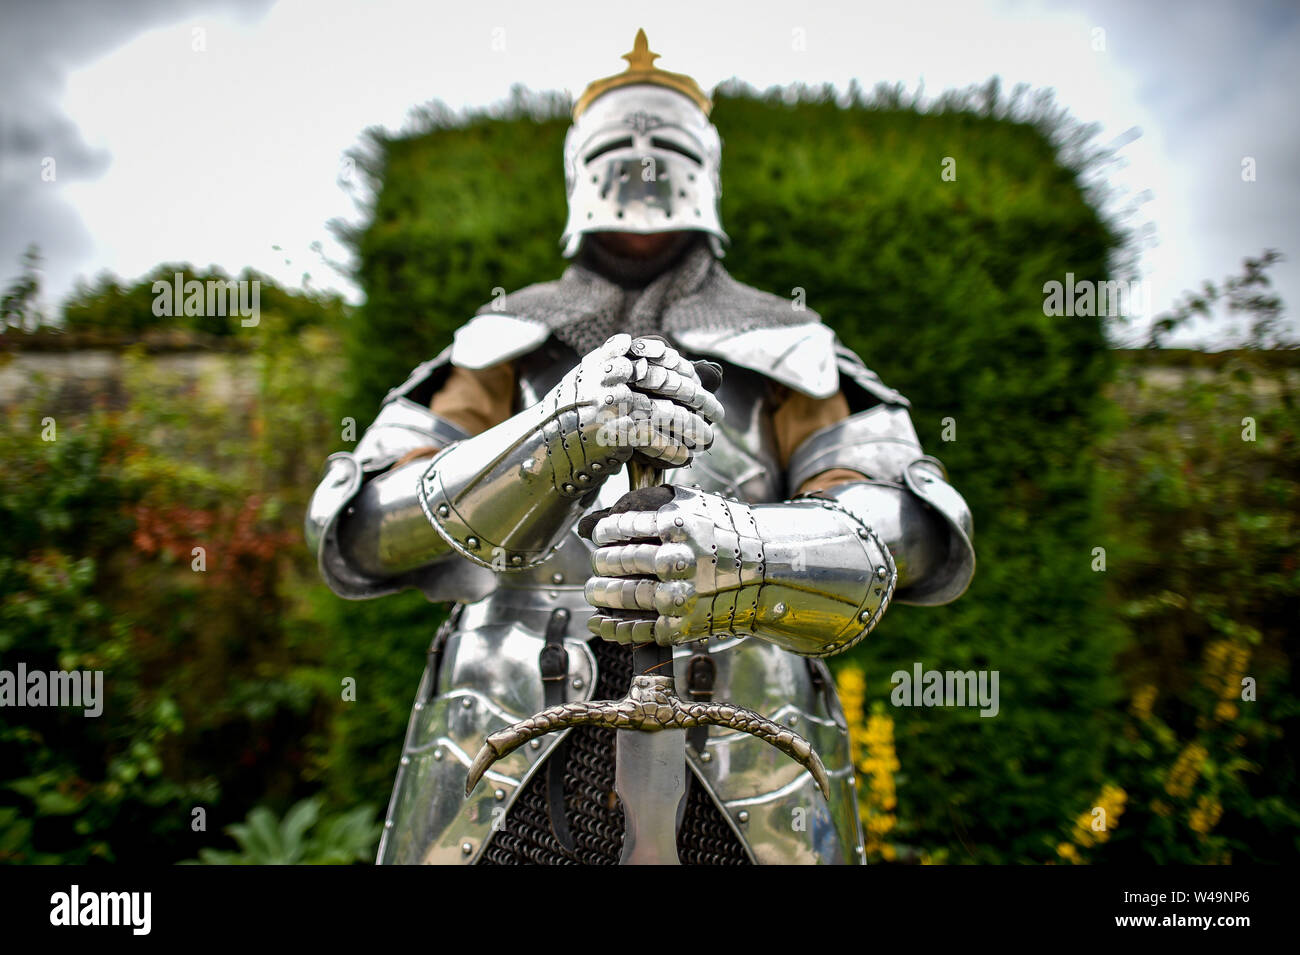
(651, 705)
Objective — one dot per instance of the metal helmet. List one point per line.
(642, 156)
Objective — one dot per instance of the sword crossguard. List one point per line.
(651, 705)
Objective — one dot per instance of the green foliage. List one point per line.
(1249, 293)
(938, 285)
(19, 307)
(218, 688)
(302, 837)
(1202, 487)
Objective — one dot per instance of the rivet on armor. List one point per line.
(499, 795)
(863, 533)
(609, 399)
(596, 466)
(557, 578)
(706, 757)
(466, 847)
(578, 684)
(406, 760)
(388, 823)
(881, 573)
(437, 754)
(443, 510)
(467, 702)
(679, 522)
(471, 543)
(792, 719)
(742, 816)
(609, 368)
(864, 616)
(535, 744)
(419, 706)
(779, 610)
(569, 489)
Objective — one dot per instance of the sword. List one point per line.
(650, 762)
(650, 768)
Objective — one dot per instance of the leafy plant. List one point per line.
(302, 837)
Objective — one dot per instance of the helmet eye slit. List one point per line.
(624, 143)
(668, 144)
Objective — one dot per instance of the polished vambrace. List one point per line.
(904, 494)
(505, 499)
(364, 522)
(806, 575)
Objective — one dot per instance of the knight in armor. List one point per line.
(796, 504)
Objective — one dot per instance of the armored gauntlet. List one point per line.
(505, 498)
(678, 564)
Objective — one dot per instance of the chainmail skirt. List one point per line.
(591, 806)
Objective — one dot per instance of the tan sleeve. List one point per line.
(796, 418)
(476, 399)
(473, 400)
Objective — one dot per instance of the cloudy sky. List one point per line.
(214, 131)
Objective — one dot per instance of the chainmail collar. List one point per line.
(683, 289)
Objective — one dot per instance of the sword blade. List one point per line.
(650, 768)
(650, 777)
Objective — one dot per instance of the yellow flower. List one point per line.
(1185, 771)
(871, 743)
(1225, 664)
(1205, 816)
(853, 691)
(1143, 699)
(1068, 852)
(1110, 801)
(1225, 710)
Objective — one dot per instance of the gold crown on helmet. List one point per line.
(641, 69)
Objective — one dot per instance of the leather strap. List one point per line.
(554, 664)
(701, 674)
